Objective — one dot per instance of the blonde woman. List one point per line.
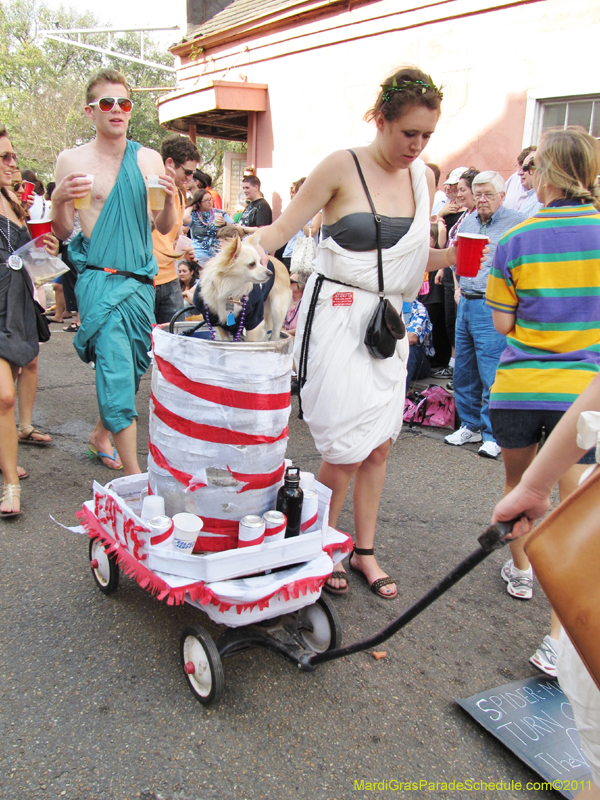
(543, 290)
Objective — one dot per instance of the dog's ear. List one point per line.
(254, 239)
(231, 247)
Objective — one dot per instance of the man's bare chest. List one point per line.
(105, 172)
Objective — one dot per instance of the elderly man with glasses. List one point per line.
(478, 344)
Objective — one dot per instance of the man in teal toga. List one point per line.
(116, 307)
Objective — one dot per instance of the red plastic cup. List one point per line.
(38, 228)
(28, 188)
(468, 256)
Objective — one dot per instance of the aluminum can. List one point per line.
(251, 530)
(310, 510)
(161, 531)
(275, 525)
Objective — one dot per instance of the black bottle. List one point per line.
(289, 501)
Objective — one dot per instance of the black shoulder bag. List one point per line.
(386, 326)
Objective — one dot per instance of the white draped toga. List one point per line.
(351, 401)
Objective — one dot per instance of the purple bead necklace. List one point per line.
(236, 338)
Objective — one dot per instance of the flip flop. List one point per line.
(72, 328)
(23, 474)
(341, 576)
(94, 453)
(27, 438)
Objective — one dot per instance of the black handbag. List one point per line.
(386, 326)
(41, 321)
(43, 327)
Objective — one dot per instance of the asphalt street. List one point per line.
(93, 701)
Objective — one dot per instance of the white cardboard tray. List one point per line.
(237, 562)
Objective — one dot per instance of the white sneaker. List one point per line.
(462, 436)
(545, 656)
(506, 570)
(489, 450)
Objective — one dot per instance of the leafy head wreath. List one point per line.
(423, 86)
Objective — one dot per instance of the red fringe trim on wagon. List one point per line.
(346, 547)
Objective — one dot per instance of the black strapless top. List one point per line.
(358, 232)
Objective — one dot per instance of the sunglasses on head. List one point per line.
(7, 157)
(528, 167)
(108, 103)
(17, 186)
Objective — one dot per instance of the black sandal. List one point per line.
(341, 576)
(377, 584)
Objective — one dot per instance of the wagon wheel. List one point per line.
(320, 627)
(104, 567)
(201, 664)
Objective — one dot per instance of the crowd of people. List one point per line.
(518, 342)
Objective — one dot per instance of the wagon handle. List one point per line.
(493, 538)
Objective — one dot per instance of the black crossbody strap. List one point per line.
(377, 223)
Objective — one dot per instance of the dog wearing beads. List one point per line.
(239, 296)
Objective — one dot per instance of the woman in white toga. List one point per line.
(352, 402)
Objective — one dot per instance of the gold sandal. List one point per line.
(12, 492)
(28, 433)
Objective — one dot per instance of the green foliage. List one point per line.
(42, 86)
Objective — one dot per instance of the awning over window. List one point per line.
(218, 109)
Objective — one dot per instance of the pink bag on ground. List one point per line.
(433, 407)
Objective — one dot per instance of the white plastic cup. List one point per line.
(156, 193)
(307, 481)
(153, 505)
(84, 202)
(186, 530)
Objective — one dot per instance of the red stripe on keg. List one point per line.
(227, 538)
(215, 544)
(180, 476)
(224, 527)
(219, 394)
(258, 481)
(210, 433)
(309, 522)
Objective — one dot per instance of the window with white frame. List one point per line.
(562, 111)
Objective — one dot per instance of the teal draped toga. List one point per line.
(117, 313)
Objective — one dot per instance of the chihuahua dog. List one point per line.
(236, 292)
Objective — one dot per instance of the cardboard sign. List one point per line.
(534, 719)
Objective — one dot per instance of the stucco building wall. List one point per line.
(324, 73)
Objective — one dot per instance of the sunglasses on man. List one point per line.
(187, 172)
(8, 157)
(108, 103)
(17, 186)
(528, 167)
